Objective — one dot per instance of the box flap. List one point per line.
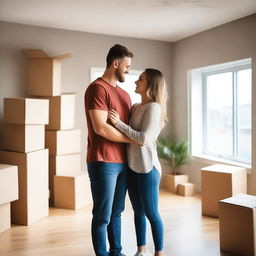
(243, 200)
(38, 53)
(222, 168)
(63, 56)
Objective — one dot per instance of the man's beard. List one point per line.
(120, 77)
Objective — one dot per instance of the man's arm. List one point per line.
(102, 128)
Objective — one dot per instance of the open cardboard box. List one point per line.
(44, 72)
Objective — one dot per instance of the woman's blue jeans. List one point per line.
(143, 191)
(108, 186)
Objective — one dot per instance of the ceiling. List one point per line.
(165, 20)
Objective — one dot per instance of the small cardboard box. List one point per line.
(60, 165)
(33, 175)
(62, 112)
(72, 192)
(237, 225)
(26, 111)
(44, 73)
(220, 181)
(186, 189)
(63, 142)
(23, 138)
(171, 181)
(5, 217)
(9, 189)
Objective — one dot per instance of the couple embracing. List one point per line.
(122, 154)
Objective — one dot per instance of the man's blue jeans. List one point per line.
(108, 186)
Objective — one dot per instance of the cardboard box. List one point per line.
(44, 73)
(60, 165)
(72, 192)
(63, 142)
(220, 181)
(62, 112)
(186, 189)
(171, 181)
(23, 138)
(33, 202)
(65, 163)
(237, 225)
(9, 189)
(5, 218)
(26, 111)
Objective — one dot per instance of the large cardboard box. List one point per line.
(72, 191)
(237, 225)
(62, 112)
(23, 138)
(63, 142)
(60, 165)
(5, 218)
(220, 181)
(33, 185)
(65, 163)
(26, 111)
(186, 189)
(9, 189)
(44, 73)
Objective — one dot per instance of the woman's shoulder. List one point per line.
(153, 105)
(134, 106)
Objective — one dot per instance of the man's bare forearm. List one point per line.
(104, 129)
(109, 132)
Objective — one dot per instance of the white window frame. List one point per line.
(196, 93)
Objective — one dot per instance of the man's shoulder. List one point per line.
(96, 85)
(97, 82)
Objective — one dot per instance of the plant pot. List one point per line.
(171, 181)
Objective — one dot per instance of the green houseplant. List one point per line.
(175, 154)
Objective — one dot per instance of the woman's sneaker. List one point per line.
(142, 254)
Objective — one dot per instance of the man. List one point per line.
(106, 152)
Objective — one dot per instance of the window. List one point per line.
(221, 111)
(128, 85)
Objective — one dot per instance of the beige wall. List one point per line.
(89, 50)
(229, 42)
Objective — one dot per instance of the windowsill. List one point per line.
(213, 160)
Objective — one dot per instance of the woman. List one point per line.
(147, 119)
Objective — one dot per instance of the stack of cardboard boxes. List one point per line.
(8, 193)
(69, 186)
(24, 146)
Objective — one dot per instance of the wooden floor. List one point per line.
(67, 232)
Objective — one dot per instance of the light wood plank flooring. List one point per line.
(67, 232)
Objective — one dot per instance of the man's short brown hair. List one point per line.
(117, 52)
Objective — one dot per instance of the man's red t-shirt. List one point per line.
(102, 96)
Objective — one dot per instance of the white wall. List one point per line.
(229, 42)
(89, 50)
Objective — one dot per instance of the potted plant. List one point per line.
(175, 154)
